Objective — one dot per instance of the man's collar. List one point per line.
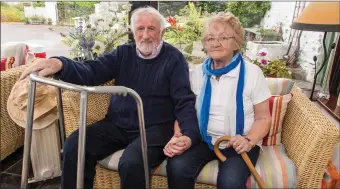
(154, 53)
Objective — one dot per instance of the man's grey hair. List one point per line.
(147, 10)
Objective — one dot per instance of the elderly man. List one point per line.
(158, 72)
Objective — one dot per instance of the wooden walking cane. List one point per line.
(244, 156)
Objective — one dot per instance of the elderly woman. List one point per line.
(232, 101)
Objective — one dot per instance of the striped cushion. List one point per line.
(280, 89)
(273, 165)
(275, 168)
(278, 107)
(280, 86)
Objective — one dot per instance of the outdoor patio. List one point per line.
(275, 40)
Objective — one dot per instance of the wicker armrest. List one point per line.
(96, 108)
(12, 136)
(309, 138)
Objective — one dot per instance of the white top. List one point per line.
(222, 116)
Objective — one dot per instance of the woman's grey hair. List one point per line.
(227, 19)
(147, 10)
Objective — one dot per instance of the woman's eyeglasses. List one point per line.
(222, 40)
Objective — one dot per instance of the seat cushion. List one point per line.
(275, 168)
(273, 165)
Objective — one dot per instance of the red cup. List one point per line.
(40, 55)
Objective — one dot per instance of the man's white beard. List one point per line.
(146, 47)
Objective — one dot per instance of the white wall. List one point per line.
(310, 42)
(49, 11)
(37, 11)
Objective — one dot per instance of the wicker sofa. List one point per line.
(12, 136)
(308, 135)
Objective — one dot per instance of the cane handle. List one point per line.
(245, 157)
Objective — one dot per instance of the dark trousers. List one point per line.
(103, 139)
(233, 173)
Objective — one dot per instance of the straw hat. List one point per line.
(45, 111)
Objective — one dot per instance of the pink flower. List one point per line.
(262, 53)
(264, 62)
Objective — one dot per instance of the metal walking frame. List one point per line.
(84, 90)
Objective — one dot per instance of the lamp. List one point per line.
(319, 16)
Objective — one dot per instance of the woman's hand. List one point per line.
(178, 143)
(239, 143)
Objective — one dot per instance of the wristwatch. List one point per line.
(250, 142)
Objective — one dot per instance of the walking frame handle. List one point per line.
(84, 90)
(244, 156)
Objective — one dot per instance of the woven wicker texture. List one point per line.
(96, 108)
(308, 135)
(309, 138)
(107, 179)
(12, 136)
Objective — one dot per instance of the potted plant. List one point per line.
(49, 21)
(42, 20)
(272, 68)
(27, 20)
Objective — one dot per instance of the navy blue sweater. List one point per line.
(162, 82)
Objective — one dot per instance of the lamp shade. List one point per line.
(319, 16)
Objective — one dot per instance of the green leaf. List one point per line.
(188, 49)
(249, 13)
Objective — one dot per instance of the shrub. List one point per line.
(4, 4)
(38, 4)
(26, 20)
(11, 14)
(36, 18)
(250, 13)
(19, 6)
(211, 6)
(190, 28)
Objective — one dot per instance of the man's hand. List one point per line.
(239, 143)
(177, 145)
(44, 67)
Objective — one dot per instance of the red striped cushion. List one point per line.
(277, 106)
